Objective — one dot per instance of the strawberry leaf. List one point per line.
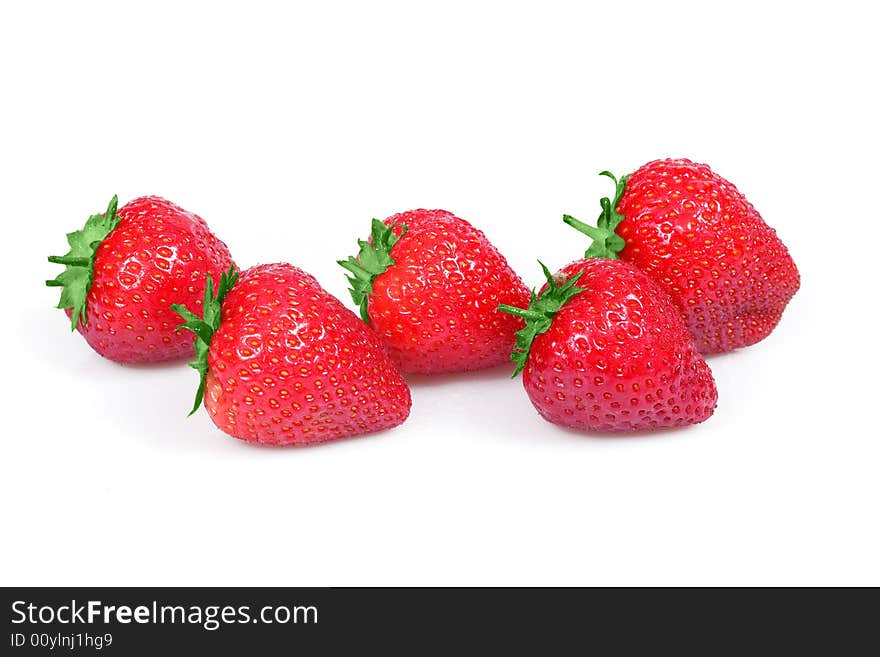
(205, 326)
(606, 242)
(540, 313)
(79, 262)
(373, 259)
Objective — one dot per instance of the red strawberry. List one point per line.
(123, 271)
(604, 349)
(693, 232)
(283, 362)
(430, 284)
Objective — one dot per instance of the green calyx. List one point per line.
(205, 326)
(79, 262)
(606, 242)
(373, 258)
(539, 315)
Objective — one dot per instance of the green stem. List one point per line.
(373, 259)
(586, 229)
(79, 262)
(540, 313)
(518, 312)
(606, 243)
(205, 326)
(70, 261)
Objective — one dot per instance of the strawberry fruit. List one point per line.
(124, 270)
(604, 349)
(695, 233)
(282, 362)
(430, 284)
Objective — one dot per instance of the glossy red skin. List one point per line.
(290, 365)
(436, 308)
(617, 356)
(697, 235)
(159, 254)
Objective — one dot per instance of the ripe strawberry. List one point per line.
(693, 232)
(282, 362)
(604, 349)
(125, 268)
(430, 284)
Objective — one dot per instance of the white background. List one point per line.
(288, 129)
